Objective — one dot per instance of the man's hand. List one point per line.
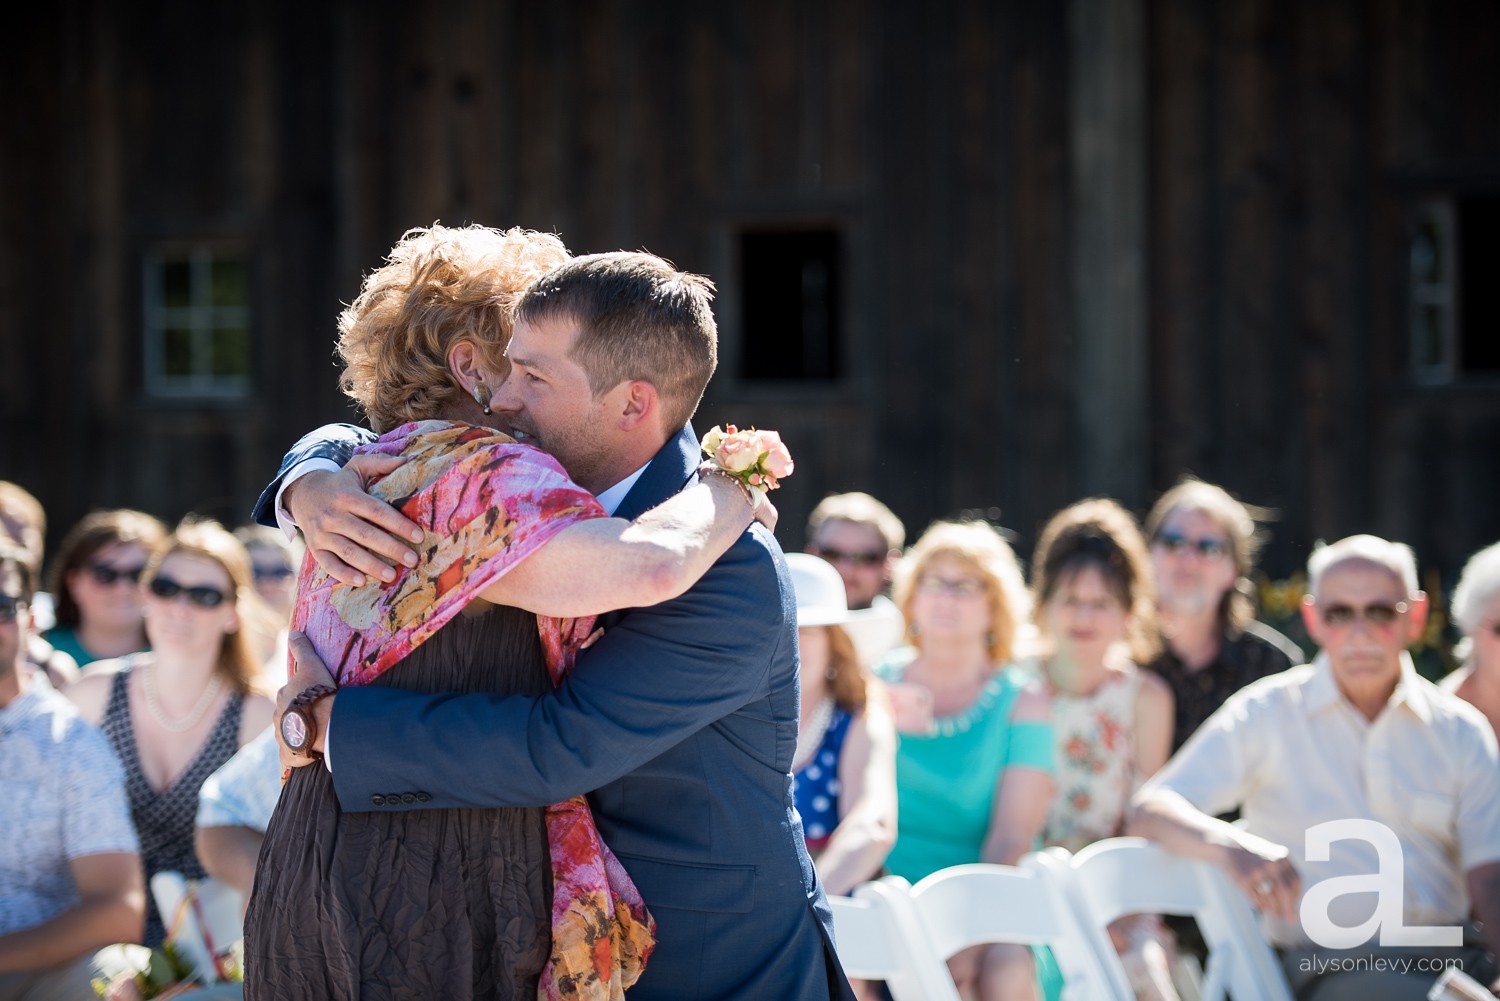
(310, 671)
(348, 531)
(1264, 871)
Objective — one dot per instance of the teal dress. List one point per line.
(946, 779)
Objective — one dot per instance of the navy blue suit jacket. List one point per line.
(679, 724)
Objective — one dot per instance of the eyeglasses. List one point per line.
(273, 573)
(106, 575)
(1339, 616)
(866, 559)
(961, 587)
(10, 607)
(203, 596)
(1208, 549)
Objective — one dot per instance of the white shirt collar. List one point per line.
(610, 499)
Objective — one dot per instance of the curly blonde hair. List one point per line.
(978, 547)
(439, 285)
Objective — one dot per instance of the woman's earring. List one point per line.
(482, 395)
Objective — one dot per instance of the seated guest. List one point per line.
(178, 712)
(1203, 548)
(862, 538)
(274, 560)
(23, 521)
(845, 765)
(95, 583)
(234, 808)
(1476, 611)
(1111, 720)
(974, 764)
(70, 872)
(1355, 736)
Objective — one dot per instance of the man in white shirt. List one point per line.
(70, 871)
(1403, 778)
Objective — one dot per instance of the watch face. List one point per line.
(294, 731)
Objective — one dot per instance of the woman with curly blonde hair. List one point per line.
(517, 559)
(974, 764)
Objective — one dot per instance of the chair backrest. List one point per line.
(1028, 904)
(203, 918)
(1122, 876)
(875, 944)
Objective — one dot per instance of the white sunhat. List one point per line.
(821, 599)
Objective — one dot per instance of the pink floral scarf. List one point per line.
(487, 503)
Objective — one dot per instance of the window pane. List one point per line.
(176, 284)
(231, 352)
(1429, 343)
(177, 352)
(790, 295)
(228, 279)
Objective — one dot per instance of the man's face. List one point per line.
(14, 623)
(859, 554)
(547, 401)
(1362, 618)
(1192, 563)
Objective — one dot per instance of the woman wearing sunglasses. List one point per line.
(177, 712)
(95, 585)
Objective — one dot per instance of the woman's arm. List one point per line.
(867, 800)
(1022, 794)
(600, 564)
(1154, 722)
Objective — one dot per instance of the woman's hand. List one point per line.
(310, 670)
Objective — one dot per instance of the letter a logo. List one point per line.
(1387, 884)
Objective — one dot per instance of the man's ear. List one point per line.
(1311, 620)
(1417, 607)
(638, 404)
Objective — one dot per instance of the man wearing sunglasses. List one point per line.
(70, 872)
(1203, 548)
(862, 538)
(1355, 737)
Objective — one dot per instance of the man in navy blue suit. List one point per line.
(680, 722)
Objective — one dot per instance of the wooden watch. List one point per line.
(299, 727)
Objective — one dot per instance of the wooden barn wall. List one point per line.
(1289, 142)
(1283, 144)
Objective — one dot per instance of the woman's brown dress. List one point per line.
(422, 904)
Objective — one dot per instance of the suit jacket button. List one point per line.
(408, 798)
(424, 797)
(377, 800)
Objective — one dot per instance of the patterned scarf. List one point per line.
(487, 503)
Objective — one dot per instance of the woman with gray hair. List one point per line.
(1476, 610)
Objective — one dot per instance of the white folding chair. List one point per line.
(204, 918)
(1028, 904)
(873, 944)
(1122, 876)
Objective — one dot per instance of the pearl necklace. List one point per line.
(148, 685)
(811, 737)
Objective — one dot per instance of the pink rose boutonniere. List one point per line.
(758, 459)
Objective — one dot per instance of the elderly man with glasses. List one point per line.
(1370, 798)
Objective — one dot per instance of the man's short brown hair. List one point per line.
(638, 317)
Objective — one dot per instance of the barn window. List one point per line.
(1455, 321)
(791, 317)
(197, 323)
